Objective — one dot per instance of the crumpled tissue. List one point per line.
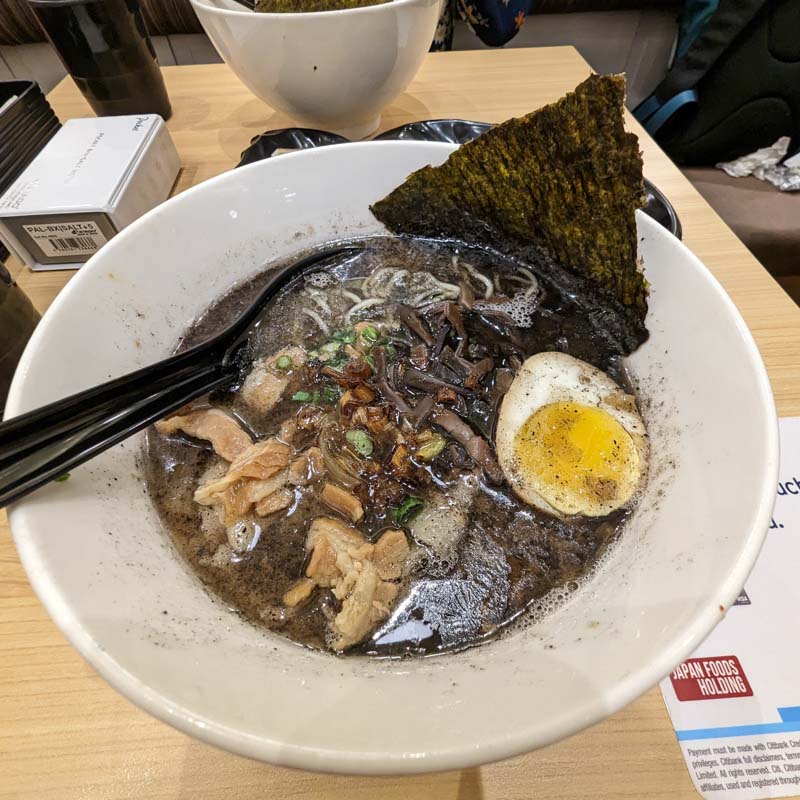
(763, 164)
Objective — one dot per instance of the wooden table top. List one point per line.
(65, 734)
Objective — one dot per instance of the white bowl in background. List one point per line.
(332, 70)
(104, 568)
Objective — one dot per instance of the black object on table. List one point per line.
(18, 318)
(451, 131)
(105, 47)
(27, 123)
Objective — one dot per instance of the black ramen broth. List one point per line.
(393, 366)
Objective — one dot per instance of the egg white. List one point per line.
(547, 378)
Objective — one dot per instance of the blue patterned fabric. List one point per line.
(494, 22)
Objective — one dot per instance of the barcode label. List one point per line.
(73, 243)
(67, 238)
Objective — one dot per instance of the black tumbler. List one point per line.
(106, 49)
(18, 318)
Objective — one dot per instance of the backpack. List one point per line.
(734, 85)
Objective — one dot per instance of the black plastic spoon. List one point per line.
(42, 445)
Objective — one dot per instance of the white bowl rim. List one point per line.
(214, 9)
(517, 742)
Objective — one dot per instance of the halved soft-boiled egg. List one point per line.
(569, 439)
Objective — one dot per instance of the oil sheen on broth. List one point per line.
(378, 396)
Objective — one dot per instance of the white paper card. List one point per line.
(735, 704)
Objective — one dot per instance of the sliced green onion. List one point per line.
(338, 362)
(331, 395)
(431, 449)
(370, 333)
(345, 335)
(391, 352)
(371, 361)
(407, 510)
(315, 398)
(301, 397)
(361, 442)
(284, 362)
(62, 478)
(331, 347)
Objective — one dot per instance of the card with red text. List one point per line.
(735, 703)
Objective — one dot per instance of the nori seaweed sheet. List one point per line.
(297, 6)
(566, 179)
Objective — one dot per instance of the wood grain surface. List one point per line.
(65, 735)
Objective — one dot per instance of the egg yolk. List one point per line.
(581, 460)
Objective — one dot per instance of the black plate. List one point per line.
(453, 131)
(266, 144)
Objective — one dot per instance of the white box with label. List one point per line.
(94, 177)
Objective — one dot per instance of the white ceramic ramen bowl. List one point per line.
(106, 571)
(334, 70)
